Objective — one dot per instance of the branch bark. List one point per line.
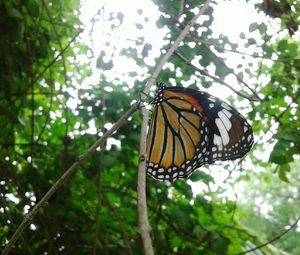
(82, 158)
(216, 79)
(142, 204)
(142, 207)
(276, 238)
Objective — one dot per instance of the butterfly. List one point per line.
(190, 128)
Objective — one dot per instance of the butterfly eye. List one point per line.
(189, 129)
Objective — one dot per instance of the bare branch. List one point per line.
(230, 70)
(82, 158)
(181, 8)
(142, 204)
(170, 52)
(196, 37)
(276, 238)
(204, 73)
(141, 187)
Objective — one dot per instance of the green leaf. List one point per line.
(253, 26)
(139, 26)
(146, 49)
(120, 17)
(206, 59)
(201, 176)
(282, 45)
(242, 35)
(251, 41)
(262, 28)
(13, 12)
(203, 217)
(283, 169)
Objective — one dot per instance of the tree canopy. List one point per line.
(66, 79)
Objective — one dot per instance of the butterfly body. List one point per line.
(191, 128)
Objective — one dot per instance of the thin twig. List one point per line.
(216, 79)
(230, 70)
(47, 118)
(141, 186)
(142, 204)
(289, 106)
(204, 45)
(100, 192)
(181, 7)
(170, 52)
(82, 158)
(276, 238)
(60, 54)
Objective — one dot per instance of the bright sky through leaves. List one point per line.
(230, 18)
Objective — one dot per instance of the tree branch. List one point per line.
(204, 73)
(142, 204)
(81, 159)
(204, 45)
(276, 238)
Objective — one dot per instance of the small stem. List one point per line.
(142, 204)
(141, 186)
(216, 79)
(82, 158)
(276, 238)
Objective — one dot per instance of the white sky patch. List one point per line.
(32, 227)
(112, 141)
(198, 187)
(92, 128)
(26, 209)
(123, 36)
(230, 18)
(12, 198)
(234, 17)
(108, 126)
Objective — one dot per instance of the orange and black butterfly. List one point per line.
(190, 128)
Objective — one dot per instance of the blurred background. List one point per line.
(70, 69)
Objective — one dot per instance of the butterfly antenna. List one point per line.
(143, 93)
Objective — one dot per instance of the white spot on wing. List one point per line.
(223, 132)
(227, 113)
(225, 120)
(249, 138)
(217, 140)
(225, 106)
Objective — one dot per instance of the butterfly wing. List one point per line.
(177, 137)
(191, 128)
(230, 135)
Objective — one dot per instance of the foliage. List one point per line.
(51, 111)
(269, 207)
